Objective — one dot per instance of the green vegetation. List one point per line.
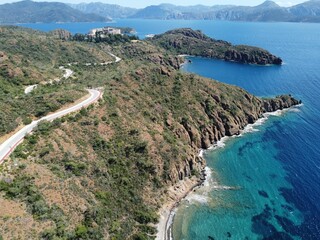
(103, 172)
(33, 12)
(32, 57)
(106, 38)
(191, 42)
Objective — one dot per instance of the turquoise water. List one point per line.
(277, 169)
(274, 173)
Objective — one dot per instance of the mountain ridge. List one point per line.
(46, 12)
(268, 11)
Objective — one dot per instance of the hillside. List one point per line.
(104, 172)
(44, 12)
(306, 12)
(105, 10)
(191, 42)
(32, 57)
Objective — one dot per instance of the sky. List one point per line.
(144, 3)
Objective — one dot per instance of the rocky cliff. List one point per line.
(197, 120)
(191, 42)
(217, 124)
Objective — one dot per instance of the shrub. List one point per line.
(81, 231)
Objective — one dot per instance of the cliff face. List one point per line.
(203, 134)
(188, 41)
(257, 56)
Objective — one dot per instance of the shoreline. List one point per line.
(168, 210)
(177, 193)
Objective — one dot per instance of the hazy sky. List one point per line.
(143, 3)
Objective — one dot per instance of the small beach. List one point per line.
(175, 195)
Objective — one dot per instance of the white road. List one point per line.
(29, 89)
(67, 73)
(8, 146)
(117, 58)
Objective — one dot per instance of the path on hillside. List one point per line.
(68, 72)
(9, 145)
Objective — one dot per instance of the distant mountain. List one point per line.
(268, 11)
(306, 12)
(31, 12)
(105, 10)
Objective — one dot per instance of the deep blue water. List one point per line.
(276, 170)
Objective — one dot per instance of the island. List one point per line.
(109, 169)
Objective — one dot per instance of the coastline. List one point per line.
(168, 210)
(176, 194)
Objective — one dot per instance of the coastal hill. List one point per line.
(105, 10)
(191, 42)
(268, 11)
(105, 171)
(32, 57)
(44, 12)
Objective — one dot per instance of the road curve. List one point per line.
(9, 145)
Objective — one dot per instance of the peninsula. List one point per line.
(191, 42)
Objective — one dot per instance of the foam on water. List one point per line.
(219, 144)
(197, 198)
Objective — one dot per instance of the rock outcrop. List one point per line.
(248, 55)
(279, 103)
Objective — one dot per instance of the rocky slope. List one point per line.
(191, 42)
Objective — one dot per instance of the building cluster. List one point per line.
(104, 31)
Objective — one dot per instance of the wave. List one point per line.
(219, 144)
(197, 198)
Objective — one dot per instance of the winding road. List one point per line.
(9, 145)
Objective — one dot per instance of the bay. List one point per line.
(274, 171)
(276, 168)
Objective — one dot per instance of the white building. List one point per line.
(105, 30)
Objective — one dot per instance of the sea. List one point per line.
(265, 183)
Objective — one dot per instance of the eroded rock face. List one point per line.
(279, 103)
(254, 57)
(184, 169)
(202, 136)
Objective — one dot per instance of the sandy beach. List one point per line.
(176, 193)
